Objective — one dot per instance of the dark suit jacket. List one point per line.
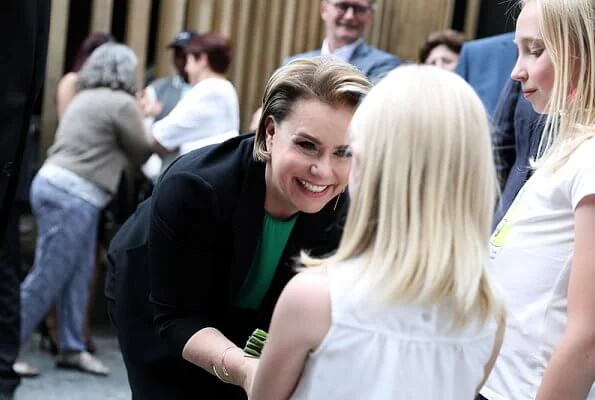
(486, 65)
(198, 233)
(24, 25)
(516, 133)
(372, 62)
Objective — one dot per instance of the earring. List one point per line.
(337, 201)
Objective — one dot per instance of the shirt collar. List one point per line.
(178, 82)
(344, 53)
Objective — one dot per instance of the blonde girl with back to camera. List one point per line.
(543, 250)
(405, 308)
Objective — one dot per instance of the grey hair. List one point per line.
(111, 65)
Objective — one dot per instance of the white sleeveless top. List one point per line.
(392, 352)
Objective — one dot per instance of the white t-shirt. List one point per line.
(210, 108)
(402, 352)
(531, 251)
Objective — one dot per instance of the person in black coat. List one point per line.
(516, 134)
(202, 262)
(25, 25)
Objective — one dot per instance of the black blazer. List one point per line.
(25, 25)
(198, 234)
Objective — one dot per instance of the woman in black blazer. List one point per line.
(188, 271)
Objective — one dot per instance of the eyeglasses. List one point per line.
(344, 6)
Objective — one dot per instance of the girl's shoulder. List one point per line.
(580, 156)
(308, 289)
(312, 280)
(305, 303)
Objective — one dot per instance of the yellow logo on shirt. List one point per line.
(501, 233)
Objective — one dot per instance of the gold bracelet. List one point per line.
(217, 374)
(225, 372)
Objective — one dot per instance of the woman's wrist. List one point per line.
(221, 371)
(234, 361)
(213, 352)
(229, 367)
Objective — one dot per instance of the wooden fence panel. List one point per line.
(137, 32)
(255, 63)
(243, 52)
(201, 15)
(271, 36)
(262, 33)
(227, 17)
(172, 15)
(375, 31)
(471, 17)
(53, 73)
(101, 15)
(289, 22)
(314, 24)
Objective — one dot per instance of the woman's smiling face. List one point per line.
(310, 157)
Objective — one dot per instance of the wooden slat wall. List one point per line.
(101, 15)
(263, 32)
(172, 14)
(137, 31)
(471, 17)
(201, 15)
(54, 65)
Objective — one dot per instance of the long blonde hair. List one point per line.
(568, 30)
(420, 212)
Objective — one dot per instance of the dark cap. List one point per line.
(182, 39)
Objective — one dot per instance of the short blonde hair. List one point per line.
(420, 213)
(326, 79)
(568, 30)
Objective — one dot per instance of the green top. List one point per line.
(275, 233)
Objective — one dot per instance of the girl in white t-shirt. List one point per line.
(543, 251)
(405, 308)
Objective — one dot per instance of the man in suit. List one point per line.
(345, 24)
(25, 24)
(486, 65)
(516, 133)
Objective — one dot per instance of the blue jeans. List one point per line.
(64, 263)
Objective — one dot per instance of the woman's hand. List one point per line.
(249, 369)
(149, 106)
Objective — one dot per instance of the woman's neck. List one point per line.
(208, 74)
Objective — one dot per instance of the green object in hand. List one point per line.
(255, 343)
